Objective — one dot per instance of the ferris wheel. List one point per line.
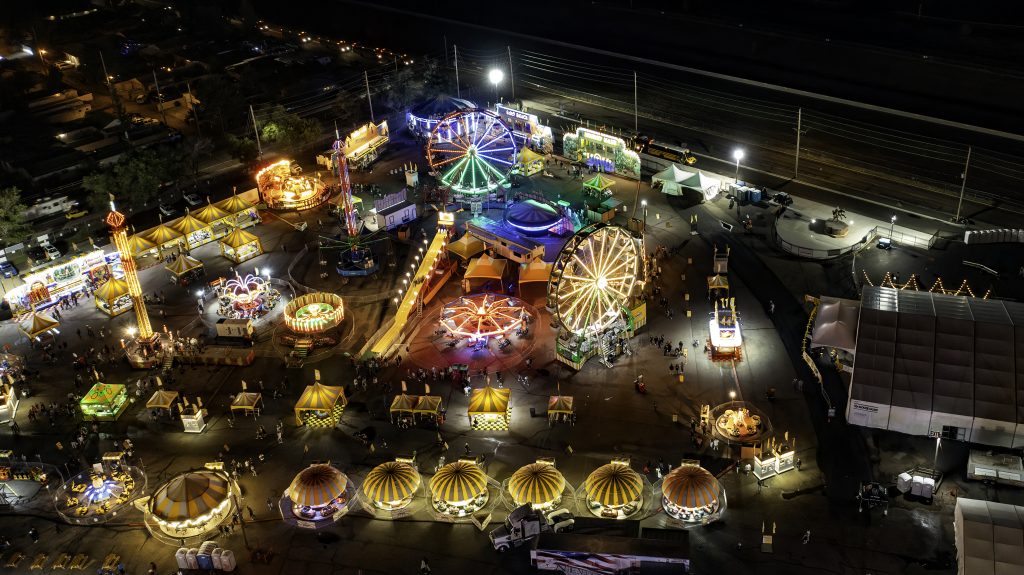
(593, 278)
(473, 150)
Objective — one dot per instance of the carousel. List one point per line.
(113, 297)
(391, 486)
(98, 494)
(317, 497)
(614, 491)
(190, 505)
(281, 189)
(458, 489)
(690, 494)
(250, 297)
(104, 402)
(739, 422)
(240, 245)
(539, 484)
(489, 409)
(314, 313)
(480, 316)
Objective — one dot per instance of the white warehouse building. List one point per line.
(938, 365)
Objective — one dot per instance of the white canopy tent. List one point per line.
(836, 324)
(989, 538)
(676, 179)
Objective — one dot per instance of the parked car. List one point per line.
(167, 210)
(8, 269)
(51, 252)
(75, 214)
(193, 199)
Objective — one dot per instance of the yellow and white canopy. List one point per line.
(488, 400)
(614, 485)
(238, 238)
(458, 481)
(111, 290)
(162, 399)
(403, 403)
(690, 487)
(189, 496)
(317, 485)
(183, 264)
(537, 483)
(391, 482)
(36, 324)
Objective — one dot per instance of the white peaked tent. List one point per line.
(676, 179)
(836, 324)
(989, 538)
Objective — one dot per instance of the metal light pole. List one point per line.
(737, 155)
(495, 76)
(963, 185)
(369, 100)
(256, 130)
(892, 226)
(458, 89)
(799, 122)
(511, 75)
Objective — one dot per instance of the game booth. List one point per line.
(391, 486)
(466, 247)
(526, 127)
(139, 246)
(37, 324)
(282, 189)
(98, 494)
(195, 231)
(47, 286)
(489, 409)
(317, 497)
(601, 152)
(240, 245)
(184, 268)
(163, 399)
(113, 297)
(528, 163)
(163, 236)
(539, 484)
(104, 402)
(241, 212)
(614, 491)
(190, 505)
(459, 489)
(320, 406)
(691, 495)
(598, 187)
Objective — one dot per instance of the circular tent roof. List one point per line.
(317, 485)
(536, 483)
(532, 217)
(690, 487)
(189, 495)
(440, 106)
(458, 481)
(391, 481)
(614, 485)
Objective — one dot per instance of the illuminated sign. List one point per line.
(599, 137)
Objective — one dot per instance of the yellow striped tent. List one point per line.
(209, 213)
(36, 324)
(246, 401)
(162, 399)
(319, 397)
(403, 403)
(428, 405)
(187, 224)
(614, 485)
(458, 482)
(182, 265)
(466, 247)
(139, 245)
(189, 496)
(488, 400)
(234, 204)
(391, 483)
(690, 487)
(161, 235)
(317, 485)
(560, 404)
(537, 483)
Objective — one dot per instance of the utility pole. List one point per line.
(192, 107)
(115, 99)
(511, 75)
(369, 100)
(636, 108)
(396, 64)
(799, 123)
(256, 130)
(963, 185)
(159, 98)
(458, 89)
(445, 37)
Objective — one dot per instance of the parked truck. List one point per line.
(525, 524)
(574, 554)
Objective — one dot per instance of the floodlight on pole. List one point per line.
(737, 155)
(495, 76)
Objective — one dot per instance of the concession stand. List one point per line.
(113, 297)
(240, 245)
(104, 402)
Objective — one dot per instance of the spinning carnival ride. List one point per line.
(483, 315)
(591, 292)
(355, 256)
(473, 151)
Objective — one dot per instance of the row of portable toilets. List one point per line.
(206, 558)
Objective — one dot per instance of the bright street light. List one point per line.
(737, 155)
(495, 76)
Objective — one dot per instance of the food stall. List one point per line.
(184, 267)
(248, 402)
(48, 285)
(561, 410)
(163, 236)
(217, 219)
(320, 405)
(191, 504)
(775, 457)
(429, 406)
(36, 324)
(240, 245)
(690, 494)
(391, 485)
(99, 493)
(162, 399)
(526, 127)
(193, 415)
(281, 189)
(241, 212)
(614, 491)
(402, 409)
(195, 231)
(601, 152)
(317, 497)
(104, 402)
(113, 297)
(489, 409)
(458, 489)
(528, 162)
(540, 484)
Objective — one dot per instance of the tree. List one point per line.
(289, 129)
(13, 226)
(243, 149)
(135, 180)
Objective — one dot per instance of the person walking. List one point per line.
(34, 534)
(424, 567)
(771, 307)
(807, 537)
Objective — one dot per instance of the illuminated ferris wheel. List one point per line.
(473, 150)
(593, 278)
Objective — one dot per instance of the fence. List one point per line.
(876, 232)
(993, 236)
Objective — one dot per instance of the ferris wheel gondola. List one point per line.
(473, 150)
